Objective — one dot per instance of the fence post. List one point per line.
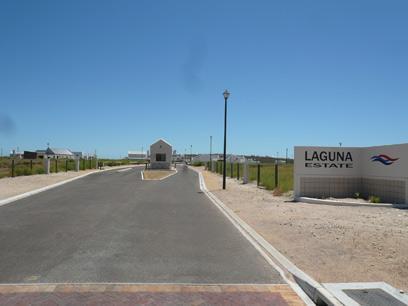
(258, 178)
(276, 175)
(77, 161)
(47, 165)
(31, 165)
(83, 164)
(12, 168)
(245, 177)
(66, 165)
(237, 171)
(232, 170)
(56, 165)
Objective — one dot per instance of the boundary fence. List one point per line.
(11, 167)
(268, 175)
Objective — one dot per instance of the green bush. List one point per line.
(374, 199)
(198, 163)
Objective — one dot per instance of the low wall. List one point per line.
(342, 172)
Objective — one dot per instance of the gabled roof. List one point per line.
(58, 151)
(161, 139)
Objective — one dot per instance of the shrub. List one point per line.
(374, 199)
(357, 195)
(198, 163)
(277, 192)
(23, 171)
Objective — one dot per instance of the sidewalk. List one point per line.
(331, 244)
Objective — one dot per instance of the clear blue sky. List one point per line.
(116, 75)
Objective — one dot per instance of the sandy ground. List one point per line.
(156, 174)
(11, 186)
(330, 243)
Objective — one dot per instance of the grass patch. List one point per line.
(267, 175)
(156, 174)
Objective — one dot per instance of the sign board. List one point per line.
(384, 167)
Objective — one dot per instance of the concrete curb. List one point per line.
(345, 203)
(337, 289)
(35, 191)
(309, 290)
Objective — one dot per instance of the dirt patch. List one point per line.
(156, 174)
(331, 243)
(11, 186)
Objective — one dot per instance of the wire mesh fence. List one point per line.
(268, 175)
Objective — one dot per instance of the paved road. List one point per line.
(114, 227)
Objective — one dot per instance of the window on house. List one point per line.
(160, 157)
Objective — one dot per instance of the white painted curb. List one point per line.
(263, 246)
(35, 191)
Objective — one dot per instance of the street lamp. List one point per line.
(224, 172)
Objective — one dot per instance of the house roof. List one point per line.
(58, 151)
(161, 139)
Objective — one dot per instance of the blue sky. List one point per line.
(116, 75)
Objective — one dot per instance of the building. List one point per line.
(16, 154)
(160, 155)
(78, 154)
(58, 153)
(137, 155)
(40, 153)
(204, 158)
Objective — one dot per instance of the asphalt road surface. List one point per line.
(114, 227)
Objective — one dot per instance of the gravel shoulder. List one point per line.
(330, 243)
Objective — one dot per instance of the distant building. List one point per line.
(30, 155)
(204, 158)
(137, 155)
(58, 153)
(40, 153)
(231, 158)
(16, 154)
(160, 155)
(78, 154)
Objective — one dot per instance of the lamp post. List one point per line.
(224, 171)
(191, 154)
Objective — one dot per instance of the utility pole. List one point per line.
(191, 153)
(286, 161)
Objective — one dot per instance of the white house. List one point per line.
(58, 153)
(160, 155)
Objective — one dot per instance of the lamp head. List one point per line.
(226, 94)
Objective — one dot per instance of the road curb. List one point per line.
(345, 203)
(36, 191)
(309, 290)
